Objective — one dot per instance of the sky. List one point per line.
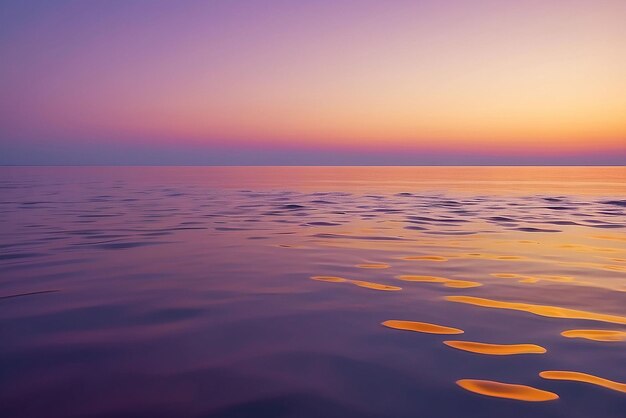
(320, 82)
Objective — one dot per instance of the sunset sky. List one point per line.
(313, 82)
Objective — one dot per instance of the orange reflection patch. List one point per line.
(598, 266)
(587, 248)
(541, 310)
(609, 237)
(421, 327)
(425, 258)
(461, 284)
(494, 256)
(373, 266)
(596, 334)
(583, 377)
(360, 283)
(331, 279)
(496, 349)
(521, 278)
(556, 278)
(375, 286)
(446, 282)
(506, 390)
(529, 280)
(507, 275)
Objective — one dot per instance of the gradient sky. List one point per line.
(313, 82)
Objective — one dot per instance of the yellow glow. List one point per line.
(496, 349)
(506, 390)
(541, 310)
(584, 377)
(596, 334)
(421, 327)
(461, 284)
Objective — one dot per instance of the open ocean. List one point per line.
(313, 292)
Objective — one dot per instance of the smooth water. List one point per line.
(262, 292)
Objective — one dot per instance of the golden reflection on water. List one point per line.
(541, 310)
(421, 327)
(507, 390)
(502, 257)
(331, 279)
(597, 266)
(425, 258)
(375, 286)
(520, 278)
(523, 278)
(580, 248)
(373, 266)
(596, 334)
(461, 284)
(360, 283)
(496, 349)
(583, 377)
(560, 257)
(609, 237)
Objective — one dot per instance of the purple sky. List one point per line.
(320, 82)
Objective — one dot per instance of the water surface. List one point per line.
(240, 292)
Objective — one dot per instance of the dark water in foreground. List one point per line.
(187, 292)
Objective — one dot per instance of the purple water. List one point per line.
(187, 292)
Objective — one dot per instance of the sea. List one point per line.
(306, 292)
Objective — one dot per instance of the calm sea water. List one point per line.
(262, 292)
